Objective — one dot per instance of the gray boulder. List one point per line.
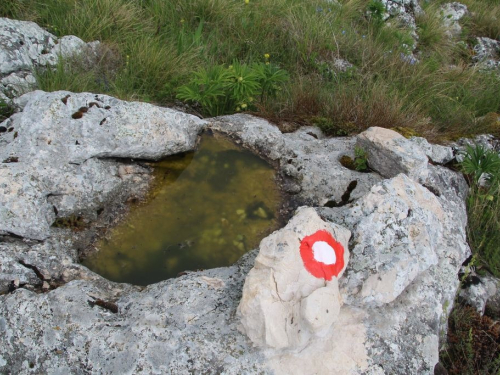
(436, 153)
(485, 292)
(451, 14)
(25, 47)
(487, 53)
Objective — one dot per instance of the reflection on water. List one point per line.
(206, 210)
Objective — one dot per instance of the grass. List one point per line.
(482, 169)
(151, 48)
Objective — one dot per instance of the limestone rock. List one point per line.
(24, 47)
(418, 315)
(283, 304)
(401, 231)
(452, 13)
(64, 161)
(397, 228)
(436, 153)
(389, 153)
(487, 53)
(479, 294)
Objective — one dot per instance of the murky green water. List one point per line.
(206, 209)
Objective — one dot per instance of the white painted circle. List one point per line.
(324, 253)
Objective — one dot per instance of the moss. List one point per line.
(406, 132)
(348, 162)
(72, 222)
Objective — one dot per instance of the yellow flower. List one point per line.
(230, 67)
(237, 109)
(266, 56)
(247, 1)
(243, 106)
(182, 20)
(240, 79)
(267, 62)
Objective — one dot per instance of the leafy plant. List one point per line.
(271, 78)
(479, 162)
(220, 90)
(360, 159)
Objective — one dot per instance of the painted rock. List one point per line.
(291, 295)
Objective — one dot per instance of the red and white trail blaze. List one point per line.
(322, 255)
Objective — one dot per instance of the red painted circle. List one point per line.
(315, 267)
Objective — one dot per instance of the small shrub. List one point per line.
(220, 90)
(472, 343)
(483, 204)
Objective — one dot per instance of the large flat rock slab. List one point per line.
(55, 161)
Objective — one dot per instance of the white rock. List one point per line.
(25, 46)
(437, 153)
(397, 229)
(452, 13)
(478, 295)
(389, 153)
(283, 304)
(487, 53)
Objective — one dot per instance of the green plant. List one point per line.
(6, 110)
(478, 162)
(377, 10)
(219, 90)
(360, 159)
(271, 79)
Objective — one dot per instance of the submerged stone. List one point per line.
(193, 217)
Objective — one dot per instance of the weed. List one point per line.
(377, 10)
(6, 110)
(360, 159)
(483, 204)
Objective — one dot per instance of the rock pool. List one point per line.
(205, 209)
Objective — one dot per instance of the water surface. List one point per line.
(205, 210)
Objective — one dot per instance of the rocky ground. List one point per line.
(407, 245)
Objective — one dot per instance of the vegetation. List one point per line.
(159, 51)
(473, 343)
(482, 167)
(220, 90)
(5, 110)
(283, 60)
